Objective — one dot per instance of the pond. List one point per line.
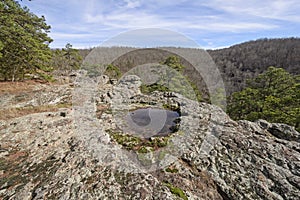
(152, 122)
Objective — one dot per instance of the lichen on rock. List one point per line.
(45, 155)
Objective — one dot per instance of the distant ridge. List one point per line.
(246, 60)
(236, 63)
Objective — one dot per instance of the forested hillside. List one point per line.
(237, 63)
(245, 61)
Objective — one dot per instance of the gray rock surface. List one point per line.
(43, 157)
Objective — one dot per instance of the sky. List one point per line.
(209, 24)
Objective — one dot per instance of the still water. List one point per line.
(149, 122)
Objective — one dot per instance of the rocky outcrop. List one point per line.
(43, 156)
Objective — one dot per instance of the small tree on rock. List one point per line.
(273, 96)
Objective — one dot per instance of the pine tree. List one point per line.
(273, 96)
(24, 41)
(66, 58)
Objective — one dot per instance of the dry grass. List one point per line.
(21, 86)
(10, 113)
(17, 87)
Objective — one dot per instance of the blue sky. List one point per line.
(210, 24)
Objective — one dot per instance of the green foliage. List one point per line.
(177, 191)
(172, 107)
(174, 63)
(45, 76)
(24, 43)
(127, 141)
(171, 170)
(131, 142)
(179, 83)
(66, 58)
(147, 89)
(273, 96)
(113, 71)
(92, 69)
(196, 91)
(143, 150)
(174, 81)
(158, 142)
(218, 97)
(182, 85)
(1, 47)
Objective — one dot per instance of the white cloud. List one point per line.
(150, 37)
(70, 35)
(148, 14)
(233, 27)
(93, 19)
(132, 4)
(287, 10)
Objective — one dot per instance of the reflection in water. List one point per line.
(148, 122)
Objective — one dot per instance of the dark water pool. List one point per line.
(149, 122)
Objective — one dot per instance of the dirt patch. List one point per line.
(21, 86)
(10, 113)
